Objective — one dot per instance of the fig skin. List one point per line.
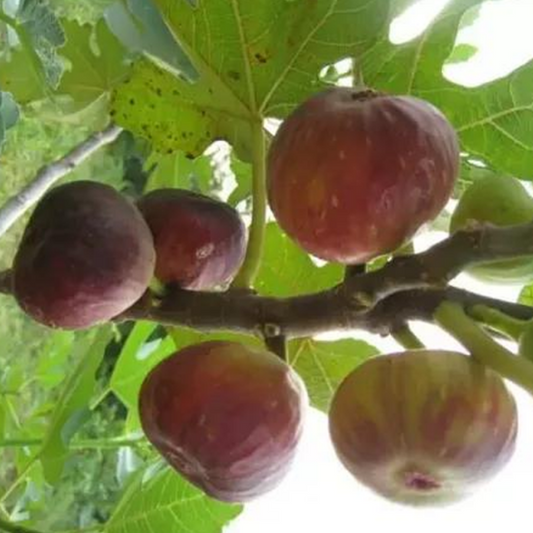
(200, 242)
(501, 201)
(226, 416)
(353, 175)
(85, 256)
(424, 427)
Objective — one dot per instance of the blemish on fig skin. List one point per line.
(420, 482)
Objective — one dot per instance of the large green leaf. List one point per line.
(19, 77)
(97, 62)
(138, 356)
(493, 121)
(72, 406)
(177, 115)
(41, 34)
(139, 26)
(286, 270)
(254, 59)
(166, 503)
(178, 171)
(268, 53)
(323, 365)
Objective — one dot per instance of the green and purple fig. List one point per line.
(352, 175)
(423, 427)
(226, 416)
(200, 242)
(86, 255)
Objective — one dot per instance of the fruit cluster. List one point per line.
(350, 176)
(88, 254)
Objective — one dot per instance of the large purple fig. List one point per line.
(200, 242)
(423, 427)
(86, 255)
(353, 175)
(226, 416)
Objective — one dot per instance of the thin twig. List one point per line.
(16, 206)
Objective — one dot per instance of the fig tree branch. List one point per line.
(407, 288)
(302, 316)
(16, 206)
(437, 266)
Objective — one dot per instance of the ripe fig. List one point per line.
(353, 175)
(501, 201)
(86, 255)
(200, 242)
(423, 427)
(226, 416)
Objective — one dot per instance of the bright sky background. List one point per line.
(319, 495)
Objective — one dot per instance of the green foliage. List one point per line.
(9, 114)
(139, 26)
(96, 63)
(179, 75)
(461, 53)
(493, 121)
(41, 34)
(163, 501)
(323, 365)
(72, 408)
(139, 354)
(286, 270)
(180, 172)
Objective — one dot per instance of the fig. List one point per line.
(423, 427)
(86, 255)
(353, 175)
(200, 242)
(226, 416)
(500, 201)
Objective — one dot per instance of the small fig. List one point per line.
(353, 175)
(501, 201)
(86, 255)
(226, 416)
(423, 427)
(200, 242)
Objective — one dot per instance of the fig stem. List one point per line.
(498, 320)
(254, 250)
(277, 345)
(452, 318)
(406, 338)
